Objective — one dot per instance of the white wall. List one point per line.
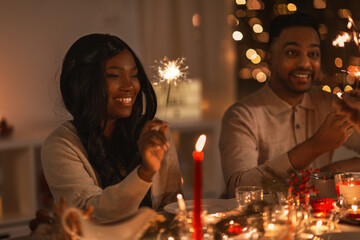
(35, 35)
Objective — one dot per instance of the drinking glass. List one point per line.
(324, 183)
(248, 194)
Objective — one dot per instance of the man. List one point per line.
(287, 125)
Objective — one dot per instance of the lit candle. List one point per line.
(198, 156)
(354, 213)
(319, 228)
(181, 202)
(350, 191)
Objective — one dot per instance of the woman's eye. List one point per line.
(112, 75)
(135, 76)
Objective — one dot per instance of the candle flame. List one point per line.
(179, 196)
(341, 39)
(354, 207)
(200, 143)
(318, 223)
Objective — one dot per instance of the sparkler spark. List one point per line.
(170, 72)
(341, 40)
(345, 37)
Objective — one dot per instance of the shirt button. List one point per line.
(297, 126)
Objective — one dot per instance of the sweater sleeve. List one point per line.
(239, 149)
(70, 175)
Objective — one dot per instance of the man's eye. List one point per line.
(291, 53)
(315, 55)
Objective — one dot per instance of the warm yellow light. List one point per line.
(261, 77)
(256, 60)
(196, 20)
(257, 28)
(338, 62)
(326, 88)
(200, 143)
(348, 88)
(240, 2)
(237, 36)
(291, 7)
(251, 54)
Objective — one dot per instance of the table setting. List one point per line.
(308, 205)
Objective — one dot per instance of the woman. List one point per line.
(112, 155)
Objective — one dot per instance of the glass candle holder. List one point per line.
(322, 207)
(348, 187)
(248, 194)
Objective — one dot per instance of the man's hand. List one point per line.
(334, 131)
(349, 105)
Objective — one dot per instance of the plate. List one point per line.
(210, 205)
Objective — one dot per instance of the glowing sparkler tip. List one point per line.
(170, 71)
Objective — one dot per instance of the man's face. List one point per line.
(295, 61)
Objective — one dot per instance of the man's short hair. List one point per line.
(297, 19)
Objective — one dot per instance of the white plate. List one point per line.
(211, 205)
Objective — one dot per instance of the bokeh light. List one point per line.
(237, 35)
(326, 88)
(251, 54)
(291, 7)
(348, 88)
(196, 20)
(240, 2)
(338, 62)
(257, 28)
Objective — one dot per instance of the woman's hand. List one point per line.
(152, 145)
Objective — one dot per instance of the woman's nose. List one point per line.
(126, 85)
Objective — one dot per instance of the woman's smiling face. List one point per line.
(123, 84)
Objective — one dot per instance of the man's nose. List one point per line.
(303, 61)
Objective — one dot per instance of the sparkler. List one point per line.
(346, 37)
(170, 72)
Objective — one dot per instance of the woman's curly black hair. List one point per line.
(85, 95)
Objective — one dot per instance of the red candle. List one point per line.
(198, 156)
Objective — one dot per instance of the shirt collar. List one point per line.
(276, 105)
